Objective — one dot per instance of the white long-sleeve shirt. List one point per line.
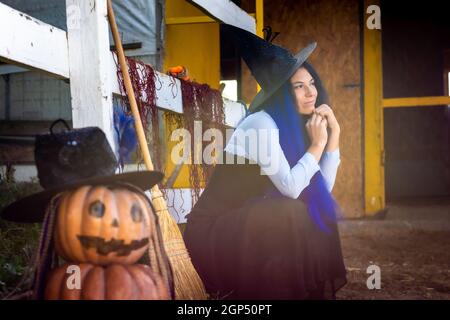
(257, 139)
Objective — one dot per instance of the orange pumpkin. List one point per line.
(100, 225)
(114, 282)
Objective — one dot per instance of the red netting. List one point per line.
(200, 103)
(143, 79)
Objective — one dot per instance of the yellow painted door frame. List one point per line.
(374, 104)
(374, 183)
(192, 40)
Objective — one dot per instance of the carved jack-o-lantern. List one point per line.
(114, 282)
(100, 225)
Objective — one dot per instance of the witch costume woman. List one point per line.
(267, 228)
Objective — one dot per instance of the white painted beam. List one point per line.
(90, 67)
(227, 12)
(28, 42)
(234, 112)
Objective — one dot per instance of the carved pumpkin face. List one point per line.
(100, 225)
(114, 282)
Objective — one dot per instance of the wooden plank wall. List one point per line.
(335, 25)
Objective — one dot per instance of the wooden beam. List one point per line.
(19, 152)
(259, 18)
(196, 19)
(259, 25)
(31, 43)
(373, 118)
(25, 128)
(416, 102)
(90, 66)
(189, 20)
(227, 12)
(9, 68)
(234, 112)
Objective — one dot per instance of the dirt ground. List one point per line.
(411, 245)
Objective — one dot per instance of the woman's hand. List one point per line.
(316, 127)
(326, 112)
(333, 138)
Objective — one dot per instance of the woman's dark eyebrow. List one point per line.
(302, 81)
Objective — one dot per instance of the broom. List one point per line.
(188, 284)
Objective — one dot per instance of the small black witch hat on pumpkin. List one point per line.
(271, 65)
(69, 159)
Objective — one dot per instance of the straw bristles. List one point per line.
(188, 285)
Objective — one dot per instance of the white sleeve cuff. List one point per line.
(331, 157)
(329, 165)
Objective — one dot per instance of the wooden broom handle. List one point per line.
(129, 89)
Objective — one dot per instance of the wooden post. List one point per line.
(373, 118)
(89, 65)
(259, 25)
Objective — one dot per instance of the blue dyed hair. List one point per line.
(294, 142)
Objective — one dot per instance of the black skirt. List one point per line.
(268, 248)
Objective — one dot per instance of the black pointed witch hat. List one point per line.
(271, 65)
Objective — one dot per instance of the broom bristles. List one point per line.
(188, 285)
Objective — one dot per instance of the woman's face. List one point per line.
(305, 91)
